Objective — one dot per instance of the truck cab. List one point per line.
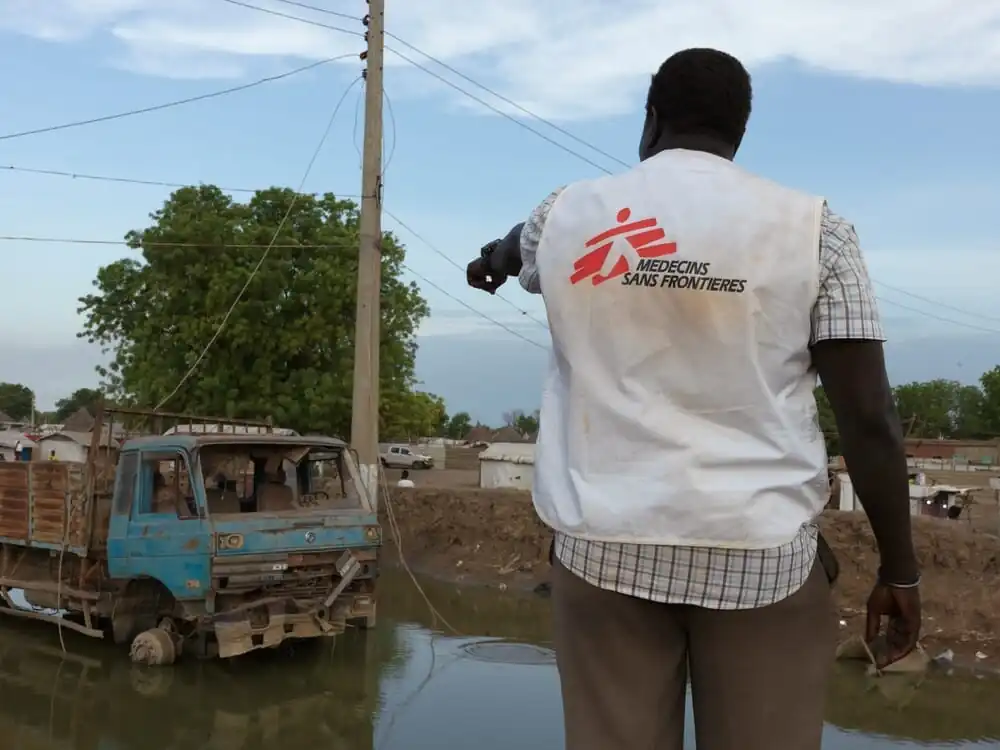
(245, 539)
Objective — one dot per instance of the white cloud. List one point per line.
(585, 58)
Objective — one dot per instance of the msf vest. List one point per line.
(678, 408)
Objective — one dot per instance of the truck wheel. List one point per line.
(154, 648)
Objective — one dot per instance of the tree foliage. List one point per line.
(935, 409)
(526, 424)
(287, 349)
(458, 426)
(85, 398)
(16, 401)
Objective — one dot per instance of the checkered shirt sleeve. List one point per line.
(718, 578)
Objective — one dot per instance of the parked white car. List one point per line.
(401, 457)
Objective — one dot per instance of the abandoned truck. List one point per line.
(203, 543)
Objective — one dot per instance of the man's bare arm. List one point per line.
(854, 378)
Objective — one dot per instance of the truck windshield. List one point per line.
(241, 478)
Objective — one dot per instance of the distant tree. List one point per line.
(82, 398)
(827, 422)
(527, 424)
(16, 401)
(990, 404)
(458, 426)
(287, 349)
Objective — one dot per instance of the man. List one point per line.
(404, 480)
(52, 456)
(680, 463)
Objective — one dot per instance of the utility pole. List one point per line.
(364, 411)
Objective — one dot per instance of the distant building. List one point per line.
(10, 438)
(507, 466)
(983, 452)
(73, 446)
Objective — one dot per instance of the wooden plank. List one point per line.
(14, 506)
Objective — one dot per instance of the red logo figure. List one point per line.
(643, 232)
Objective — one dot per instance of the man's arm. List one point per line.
(848, 356)
(513, 255)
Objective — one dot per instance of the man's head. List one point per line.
(405, 475)
(699, 95)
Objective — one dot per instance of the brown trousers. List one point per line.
(758, 676)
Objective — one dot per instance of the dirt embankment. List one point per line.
(493, 537)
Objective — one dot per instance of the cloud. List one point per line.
(580, 59)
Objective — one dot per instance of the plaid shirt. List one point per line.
(709, 577)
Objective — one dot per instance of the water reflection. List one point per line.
(399, 687)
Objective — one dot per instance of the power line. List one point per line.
(457, 265)
(470, 308)
(158, 183)
(129, 181)
(438, 76)
(935, 302)
(175, 103)
(471, 80)
(267, 251)
(206, 245)
(279, 14)
(939, 317)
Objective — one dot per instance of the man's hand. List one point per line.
(480, 275)
(901, 606)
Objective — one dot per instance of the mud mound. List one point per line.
(960, 568)
(462, 458)
(494, 536)
(471, 533)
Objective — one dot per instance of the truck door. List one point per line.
(168, 536)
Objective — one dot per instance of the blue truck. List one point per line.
(213, 540)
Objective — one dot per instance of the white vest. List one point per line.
(678, 408)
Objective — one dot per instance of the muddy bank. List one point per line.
(493, 537)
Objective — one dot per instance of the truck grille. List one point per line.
(305, 575)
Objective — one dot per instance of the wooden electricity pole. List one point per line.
(364, 412)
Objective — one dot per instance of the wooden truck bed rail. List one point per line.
(44, 504)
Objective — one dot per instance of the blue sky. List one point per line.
(899, 136)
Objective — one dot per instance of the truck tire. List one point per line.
(154, 648)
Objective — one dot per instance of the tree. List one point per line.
(827, 422)
(458, 426)
(411, 415)
(16, 401)
(287, 349)
(86, 398)
(527, 424)
(990, 403)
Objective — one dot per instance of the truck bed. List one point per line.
(44, 504)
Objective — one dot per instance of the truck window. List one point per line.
(404, 451)
(394, 450)
(166, 486)
(125, 485)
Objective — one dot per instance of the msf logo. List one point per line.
(643, 238)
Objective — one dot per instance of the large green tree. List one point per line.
(16, 401)
(287, 349)
(85, 398)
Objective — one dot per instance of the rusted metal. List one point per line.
(58, 502)
(50, 588)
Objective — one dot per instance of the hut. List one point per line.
(507, 466)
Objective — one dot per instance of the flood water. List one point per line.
(403, 686)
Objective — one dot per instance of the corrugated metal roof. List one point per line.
(9, 437)
(515, 453)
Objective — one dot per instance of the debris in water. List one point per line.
(980, 655)
(855, 649)
(509, 652)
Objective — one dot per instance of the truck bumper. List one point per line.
(239, 635)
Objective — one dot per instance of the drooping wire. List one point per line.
(456, 264)
(267, 251)
(442, 79)
(174, 103)
(506, 100)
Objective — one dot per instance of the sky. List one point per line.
(889, 110)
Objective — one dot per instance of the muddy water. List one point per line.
(399, 687)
